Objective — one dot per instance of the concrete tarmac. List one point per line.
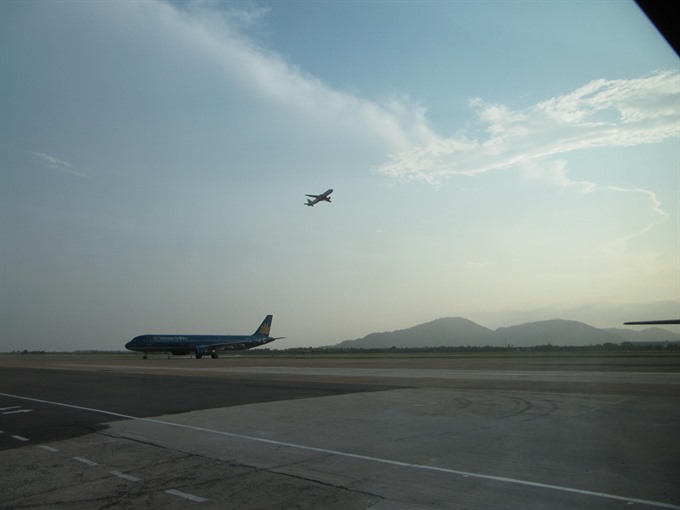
(339, 433)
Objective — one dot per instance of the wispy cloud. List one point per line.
(57, 164)
(658, 215)
(51, 161)
(603, 113)
(224, 33)
(555, 173)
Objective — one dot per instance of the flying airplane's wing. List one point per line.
(322, 195)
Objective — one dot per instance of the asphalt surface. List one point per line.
(96, 432)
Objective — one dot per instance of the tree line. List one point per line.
(546, 348)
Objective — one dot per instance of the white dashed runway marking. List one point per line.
(85, 461)
(185, 495)
(125, 476)
(368, 458)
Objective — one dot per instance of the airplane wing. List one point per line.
(664, 321)
(240, 345)
(226, 346)
(233, 346)
(322, 195)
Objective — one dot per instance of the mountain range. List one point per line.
(460, 332)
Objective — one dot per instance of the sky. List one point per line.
(502, 161)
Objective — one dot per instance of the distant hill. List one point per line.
(645, 335)
(450, 331)
(460, 332)
(555, 332)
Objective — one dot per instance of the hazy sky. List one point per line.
(502, 161)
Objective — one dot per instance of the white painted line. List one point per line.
(190, 497)
(48, 448)
(8, 408)
(85, 461)
(657, 504)
(528, 375)
(18, 411)
(20, 438)
(124, 476)
(71, 406)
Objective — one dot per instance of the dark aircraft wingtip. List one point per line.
(665, 321)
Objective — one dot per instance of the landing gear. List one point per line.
(145, 356)
(200, 354)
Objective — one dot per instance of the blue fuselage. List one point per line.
(189, 344)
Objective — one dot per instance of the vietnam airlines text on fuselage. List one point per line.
(179, 339)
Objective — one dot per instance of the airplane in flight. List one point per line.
(325, 197)
(201, 345)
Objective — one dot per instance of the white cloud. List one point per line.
(603, 113)
(51, 161)
(657, 215)
(57, 164)
(555, 173)
(397, 122)
(650, 209)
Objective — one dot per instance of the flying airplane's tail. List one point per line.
(309, 203)
(264, 328)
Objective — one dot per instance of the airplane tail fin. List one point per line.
(264, 328)
(309, 203)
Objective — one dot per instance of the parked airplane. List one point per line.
(325, 196)
(201, 344)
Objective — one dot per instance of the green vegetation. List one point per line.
(607, 349)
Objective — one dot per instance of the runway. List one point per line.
(250, 433)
